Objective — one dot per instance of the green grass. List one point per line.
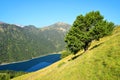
(100, 62)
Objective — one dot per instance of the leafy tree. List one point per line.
(86, 28)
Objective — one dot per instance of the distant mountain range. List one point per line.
(19, 43)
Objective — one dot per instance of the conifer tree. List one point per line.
(86, 28)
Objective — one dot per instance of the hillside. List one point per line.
(55, 33)
(20, 43)
(100, 62)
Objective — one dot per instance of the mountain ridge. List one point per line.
(57, 26)
(17, 41)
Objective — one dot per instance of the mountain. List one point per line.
(19, 43)
(55, 33)
(1, 22)
(59, 26)
(100, 62)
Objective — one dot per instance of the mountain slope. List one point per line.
(100, 62)
(21, 43)
(55, 33)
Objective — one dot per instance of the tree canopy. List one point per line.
(86, 28)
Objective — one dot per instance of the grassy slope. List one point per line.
(100, 62)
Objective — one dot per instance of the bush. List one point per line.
(65, 53)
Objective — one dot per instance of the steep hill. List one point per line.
(20, 43)
(100, 62)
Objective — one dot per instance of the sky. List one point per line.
(46, 12)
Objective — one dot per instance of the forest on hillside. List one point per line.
(22, 43)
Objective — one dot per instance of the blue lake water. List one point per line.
(33, 64)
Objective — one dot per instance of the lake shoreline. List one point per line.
(29, 59)
(32, 64)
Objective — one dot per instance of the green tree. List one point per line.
(86, 28)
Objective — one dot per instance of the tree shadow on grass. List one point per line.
(96, 46)
(75, 56)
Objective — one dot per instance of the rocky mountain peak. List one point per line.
(59, 26)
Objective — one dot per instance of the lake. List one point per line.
(33, 64)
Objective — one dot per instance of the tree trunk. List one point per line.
(86, 46)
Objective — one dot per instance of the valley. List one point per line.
(23, 43)
(59, 40)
